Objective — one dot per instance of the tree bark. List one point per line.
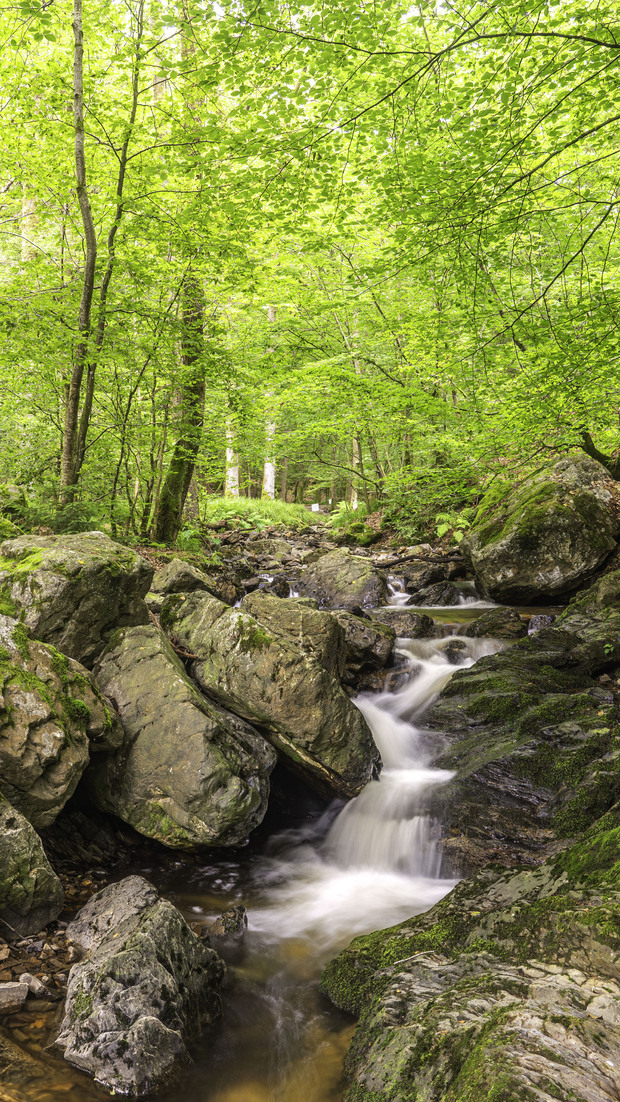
(169, 513)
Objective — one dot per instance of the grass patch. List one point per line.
(254, 513)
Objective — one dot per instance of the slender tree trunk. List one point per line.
(68, 473)
(232, 463)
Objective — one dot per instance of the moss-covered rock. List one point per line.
(404, 622)
(509, 984)
(31, 894)
(51, 716)
(342, 580)
(147, 987)
(259, 673)
(543, 540)
(499, 623)
(73, 591)
(188, 773)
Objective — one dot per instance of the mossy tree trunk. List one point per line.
(169, 512)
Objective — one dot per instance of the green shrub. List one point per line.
(254, 514)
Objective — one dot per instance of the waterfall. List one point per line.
(379, 862)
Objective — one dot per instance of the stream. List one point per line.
(349, 870)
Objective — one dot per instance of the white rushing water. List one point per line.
(379, 861)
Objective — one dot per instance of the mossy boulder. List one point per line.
(498, 623)
(342, 580)
(546, 538)
(51, 716)
(179, 576)
(318, 634)
(188, 773)
(368, 645)
(405, 623)
(31, 894)
(261, 674)
(146, 989)
(534, 738)
(507, 985)
(73, 591)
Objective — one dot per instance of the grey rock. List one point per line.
(12, 997)
(543, 540)
(188, 773)
(257, 672)
(368, 645)
(51, 716)
(146, 988)
(74, 590)
(339, 579)
(406, 624)
(107, 908)
(499, 623)
(31, 894)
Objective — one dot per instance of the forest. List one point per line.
(349, 252)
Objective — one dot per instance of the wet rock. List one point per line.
(31, 894)
(146, 988)
(538, 622)
(499, 623)
(12, 997)
(188, 773)
(74, 590)
(179, 576)
(278, 586)
(441, 594)
(257, 672)
(535, 737)
(368, 646)
(341, 580)
(455, 650)
(406, 624)
(51, 716)
(229, 927)
(541, 541)
(509, 982)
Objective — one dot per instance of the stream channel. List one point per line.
(308, 891)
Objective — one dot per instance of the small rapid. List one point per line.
(379, 860)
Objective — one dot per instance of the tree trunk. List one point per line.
(232, 463)
(169, 513)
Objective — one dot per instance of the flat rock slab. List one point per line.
(73, 590)
(12, 997)
(147, 987)
(189, 773)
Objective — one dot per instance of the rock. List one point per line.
(51, 715)
(147, 987)
(178, 576)
(258, 673)
(508, 984)
(442, 594)
(107, 909)
(535, 740)
(538, 622)
(368, 645)
(406, 624)
(229, 927)
(188, 773)
(341, 580)
(31, 894)
(12, 997)
(542, 541)
(499, 623)
(420, 575)
(73, 590)
(319, 634)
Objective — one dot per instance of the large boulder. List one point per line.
(508, 985)
(31, 894)
(368, 645)
(147, 987)
(259, 673)
(178, 576)
(534, 737)
(188, 773)
(51, 716)
(318, 634)
(73, 591)
(341, 580)
(406, 624)
(543, 540)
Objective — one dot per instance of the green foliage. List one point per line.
(454, 524)
(425, 500)
(345, 515)
(253, 514)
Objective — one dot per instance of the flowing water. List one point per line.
(351, 870)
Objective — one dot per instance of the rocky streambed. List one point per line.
(323, 704)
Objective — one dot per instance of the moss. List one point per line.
(82, 1006)
(21, 639)
(7, 604)
(19, 568)
(252, 637)
(156, 823)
